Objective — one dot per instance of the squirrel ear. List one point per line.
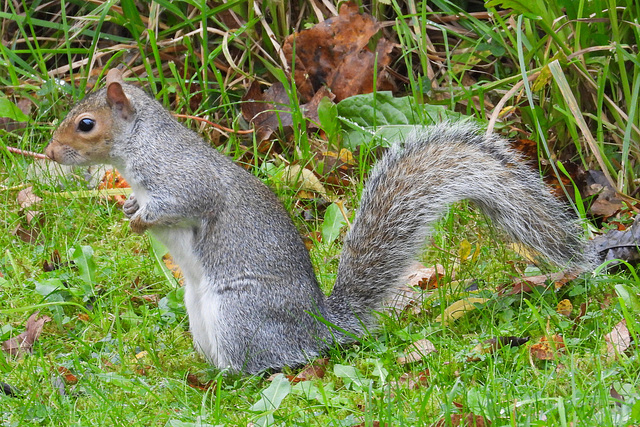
(116, 98)
(114, 75)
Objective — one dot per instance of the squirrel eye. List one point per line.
(85, 125)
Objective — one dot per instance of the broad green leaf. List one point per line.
(351, 377)
(333, 223)
(378, 109)
(272, 396)
(83, 258)
(10, 110)
(629, 296)
(381, 116)
(532, 9)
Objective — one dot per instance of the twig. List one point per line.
(26, 153)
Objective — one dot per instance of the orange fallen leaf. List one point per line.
(545, 350)
(173, 267)
(564, 307)
(67, 375)
(113, 179)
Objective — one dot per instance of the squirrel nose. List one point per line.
(49, 152)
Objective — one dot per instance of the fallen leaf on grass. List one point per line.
(151, 298)
(425, 277)
(459, 309)
(31, 236)
(113, 179)
(407, 297)
(23, 343)
(545, 350)
(26, 198)
(372, 424)
(618, 340)
(564, 308)
(194, 381)
(412, 380)
(526, 284)
(67, 375)
(337, 168)
(302, 179)
(317, 369)
(417, 351)
(270, 110)
(173, 267)
(605, 201)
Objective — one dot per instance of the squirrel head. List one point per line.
(86, 135)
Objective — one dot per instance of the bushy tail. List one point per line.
(412, 186)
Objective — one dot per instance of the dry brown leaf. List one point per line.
(194, 381)
(26, 198)
(412, 380)
(67, 375)
(23, 343)
(270, 110)
(545, 350)
(416, 351)
(425, 277)
(313, 371)
(527, 283)
(618, 340)
(565, 308)
(266, 110)
(31, 236)
(334, 53)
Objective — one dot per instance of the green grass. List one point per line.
(119, 325)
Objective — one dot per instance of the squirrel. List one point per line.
(251, 293)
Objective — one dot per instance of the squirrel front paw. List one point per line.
(131, 206)
(132, 210)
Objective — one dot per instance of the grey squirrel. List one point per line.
(251, 293)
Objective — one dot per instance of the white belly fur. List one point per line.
(202, 307)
